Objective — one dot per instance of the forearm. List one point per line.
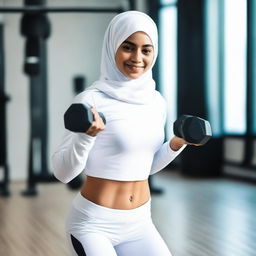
(166, 154)
(70, 158)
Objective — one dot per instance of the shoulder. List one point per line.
(161, 104)
(88, 97)
(160, 100)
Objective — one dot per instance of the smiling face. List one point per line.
(135, 55)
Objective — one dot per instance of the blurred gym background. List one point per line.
(204, 202)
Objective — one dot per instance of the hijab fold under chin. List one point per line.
(113, 82)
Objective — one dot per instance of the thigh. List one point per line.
(149, 243)
(90, 244)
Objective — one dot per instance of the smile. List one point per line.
(134, 67)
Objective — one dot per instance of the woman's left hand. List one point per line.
(176, 143)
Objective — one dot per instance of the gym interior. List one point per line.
(203, 203)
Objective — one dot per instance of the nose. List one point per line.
(136, 57)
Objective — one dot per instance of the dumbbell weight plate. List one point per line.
(198, 130)
(193, 129)
(178, 124)
(78, 118)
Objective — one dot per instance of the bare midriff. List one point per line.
(116, 194)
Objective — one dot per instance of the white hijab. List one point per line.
(113, 82)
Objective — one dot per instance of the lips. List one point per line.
(134, 68)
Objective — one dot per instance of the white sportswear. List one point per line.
(131, 147)
(95, 230)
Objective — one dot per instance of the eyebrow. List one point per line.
(133, 44)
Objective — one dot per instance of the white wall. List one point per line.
(17, 87)
(141, 5)
(73, 48)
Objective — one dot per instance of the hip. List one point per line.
(85, 216)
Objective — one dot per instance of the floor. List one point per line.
(195, 217)
(206, 217)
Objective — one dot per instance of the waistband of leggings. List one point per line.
(98, 211)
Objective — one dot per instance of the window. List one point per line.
(168, 61)
(235, 19)
(166, 2)
(253, 63)
(214, 66)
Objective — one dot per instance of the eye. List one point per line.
(127, 47)
(147, 51)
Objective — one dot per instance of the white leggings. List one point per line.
(94, 230)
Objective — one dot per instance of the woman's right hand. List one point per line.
(97, 124)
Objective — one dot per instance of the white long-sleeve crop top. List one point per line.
(131, 147)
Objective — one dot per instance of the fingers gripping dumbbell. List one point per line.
(192, 129)
(78, 118)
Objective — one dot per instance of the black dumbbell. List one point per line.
(193, 129)
(78, 118)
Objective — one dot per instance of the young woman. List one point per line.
(111, 214)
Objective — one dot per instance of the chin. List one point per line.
(134, 76)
